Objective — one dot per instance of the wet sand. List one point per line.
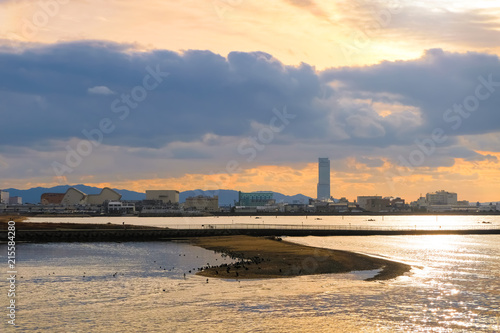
(267, 257)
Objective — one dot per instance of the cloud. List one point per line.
(311, 7)
(472, 28)
(364, 127)
(100, 90)
(432, 84)
(371, 162)
(208, 107)
(462, 26)
(205, 93)
(179, 153)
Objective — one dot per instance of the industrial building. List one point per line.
(106, 194)
(378, 205)
(15, 200)
(166, 196)
(75, 197)
(51, 198)
(362, 200)
(323, 188)
(202, 203)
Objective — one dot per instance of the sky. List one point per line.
(402, 96)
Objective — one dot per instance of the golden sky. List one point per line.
(320, 33)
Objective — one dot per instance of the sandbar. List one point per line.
(271, 257)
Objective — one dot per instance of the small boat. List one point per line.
(318, 218)
(371, 220)
(485, 222)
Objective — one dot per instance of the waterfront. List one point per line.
(453, 287)
(390, 221)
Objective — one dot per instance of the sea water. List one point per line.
(454, 286)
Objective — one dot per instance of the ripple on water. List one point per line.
(450, 291)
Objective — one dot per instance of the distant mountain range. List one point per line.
(226, 197)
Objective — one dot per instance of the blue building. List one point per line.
(254, 199)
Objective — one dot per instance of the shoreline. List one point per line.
(271, 257)
(260, 257)
(95, 232)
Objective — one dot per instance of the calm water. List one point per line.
(390, 221)
(454, 286)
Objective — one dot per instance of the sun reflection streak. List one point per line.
(437, 243)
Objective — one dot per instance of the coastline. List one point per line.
(92, 232)
(270, 257)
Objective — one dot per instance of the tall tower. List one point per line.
(323, 178)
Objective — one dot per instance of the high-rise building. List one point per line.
(323, 178)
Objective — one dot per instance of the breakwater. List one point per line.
(95, 235)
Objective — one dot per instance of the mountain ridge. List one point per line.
(226, 197)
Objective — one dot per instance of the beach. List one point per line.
(271, 257)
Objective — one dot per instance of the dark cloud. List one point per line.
(433, 84)
(179, 153)
(45, 91)
(53, 93)
(371, 162)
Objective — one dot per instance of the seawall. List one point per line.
(96, 235)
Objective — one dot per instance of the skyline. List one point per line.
(248, 95)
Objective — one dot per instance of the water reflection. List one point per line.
(436, 243)
(454, 283)
(412, 221)
(453, 287)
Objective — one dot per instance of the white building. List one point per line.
(441, 198)
(121, 207)
(4, 197)
(442, 201)
(106, 194)
(75, 197)
(323, 189)
(492, 207)
(420, 203)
